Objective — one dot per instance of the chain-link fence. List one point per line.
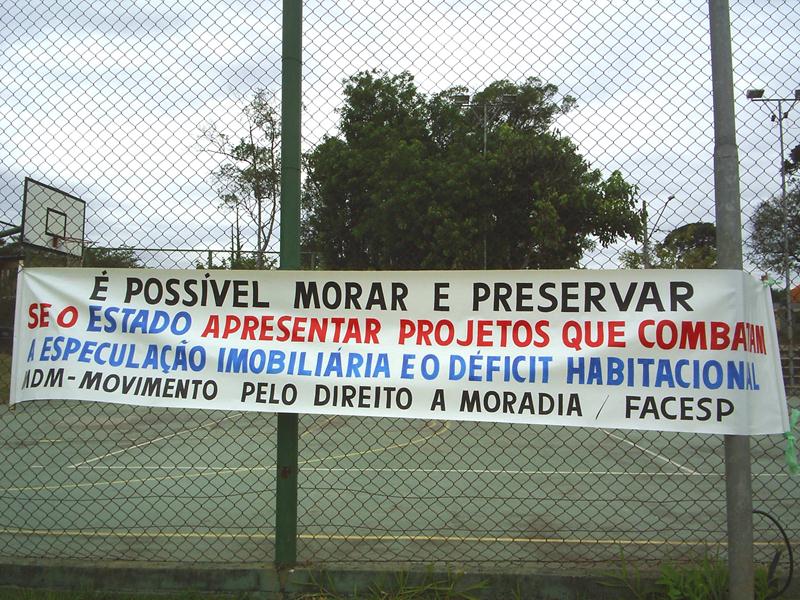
(164, 118)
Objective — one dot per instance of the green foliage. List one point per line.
(416, 181)
(110, 257)
(706, 579)
(93, 256)
(242, 261)
(690, 246)
(767, 244)
(792, 165)
(628, 578)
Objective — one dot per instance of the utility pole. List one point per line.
(738, 484)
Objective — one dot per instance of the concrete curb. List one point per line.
(250, 581)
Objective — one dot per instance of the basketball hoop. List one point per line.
(52, 219)
(67, 244)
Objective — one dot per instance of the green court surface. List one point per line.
(100, 481)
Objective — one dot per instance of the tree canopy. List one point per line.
(767, 246)
(110, 257)
(792, 166)
(93, 256)
(690, 246)
(417, 181)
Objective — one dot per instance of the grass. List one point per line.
(706, 579)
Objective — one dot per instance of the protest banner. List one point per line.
(653, 350)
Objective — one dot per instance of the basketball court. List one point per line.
(85, 480)
(100, 481)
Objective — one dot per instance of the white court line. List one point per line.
(684, 469)
(177, 433)
(153, 441)
(225, 469)
(688, 473)
(653, 454)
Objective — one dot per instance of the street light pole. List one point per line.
(463, 101)
(757, 95)
(646, 238)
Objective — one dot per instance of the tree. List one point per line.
(415, 181)
(249, 182)
(110, 257)
(690, 246)
(242, 261)
(93, 256)
(792, 166)
(767, 244)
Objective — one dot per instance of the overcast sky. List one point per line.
(110, 102)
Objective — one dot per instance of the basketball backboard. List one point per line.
(52, 219)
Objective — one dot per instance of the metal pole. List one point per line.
(784, 208)
(646, 240)
(729, 256)
(286, 485)
(485, 145)
(13, 231)
(485, 129)
(259, 254)
(786, 272)
(238, 239)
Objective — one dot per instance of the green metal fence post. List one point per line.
(286, 487)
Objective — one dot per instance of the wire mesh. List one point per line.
(145, 110)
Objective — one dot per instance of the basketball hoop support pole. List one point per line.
(12, 231)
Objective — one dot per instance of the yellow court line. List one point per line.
(372, 538)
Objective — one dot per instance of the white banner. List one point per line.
(658, 350)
